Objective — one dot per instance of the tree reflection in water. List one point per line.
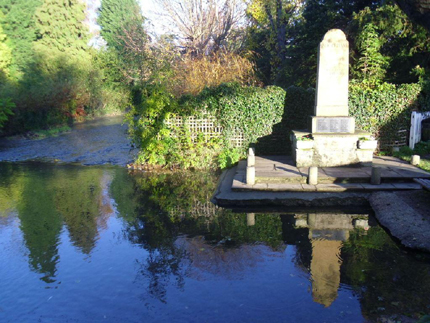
(185, 236)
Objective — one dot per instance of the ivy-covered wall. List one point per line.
(239, 109)
(384, 110)
(381, 109)
(265, 116)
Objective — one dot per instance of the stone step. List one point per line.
(328, 180)
(238, 185)
(425, 183)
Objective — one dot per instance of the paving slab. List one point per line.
(280, 171)
(425, 183)
(285, 187)
(226, 197)
(309, 188)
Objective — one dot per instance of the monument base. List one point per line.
(328, 150)
(333, 124)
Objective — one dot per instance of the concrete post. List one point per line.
(415, 160)
(250, 175)
(376, 176)
(251, 151)
(313, 175)
(250, 219)
(250, 161)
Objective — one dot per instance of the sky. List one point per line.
(150, 10)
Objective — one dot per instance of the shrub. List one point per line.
(384, 109)
(6, 107)
(238, 109)
(193, 74)
(381, 109)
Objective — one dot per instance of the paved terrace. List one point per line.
(278, 174)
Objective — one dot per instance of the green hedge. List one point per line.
(265, 116)
(384, 110)
(250, 110)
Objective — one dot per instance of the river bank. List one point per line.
(406, 215)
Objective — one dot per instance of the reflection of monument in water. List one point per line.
(327, 232)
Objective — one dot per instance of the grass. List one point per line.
(422, 149)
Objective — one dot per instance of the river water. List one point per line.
(103, 244)
(96, 142)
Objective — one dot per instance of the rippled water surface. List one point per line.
(100, 141)
(100, 244)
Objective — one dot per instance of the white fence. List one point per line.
(207, 125)
(416, 127)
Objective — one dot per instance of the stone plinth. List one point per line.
(333, 124)
(330, 150)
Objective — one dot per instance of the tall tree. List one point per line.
(5, 51)
(387, 39)
(115, 18)
(204, 26)
(417, 10)
(128, 49)
(60, 29)
(19, 26)
(271, 23)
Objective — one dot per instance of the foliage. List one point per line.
(371, 64)
(114, 17)
(286, 52)
(192, 74)
(204, 26)
(229, 157)
(299, 106)
(128, 43)
(421, 148)
(19, 27)
(269, 34)
(51, 92)
(397, 45)
(5, 51)
(383, 109)
(238, 109)
(6, 107)
(59, 30)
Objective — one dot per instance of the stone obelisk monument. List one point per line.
(331, 99)
(334, 139)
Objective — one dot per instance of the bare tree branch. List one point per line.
(203, 25)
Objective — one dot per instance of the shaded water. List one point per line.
(99, 244)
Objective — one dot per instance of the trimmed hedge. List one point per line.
(250, 110)
(265, 116)
(384, 110)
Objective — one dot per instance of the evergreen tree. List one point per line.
(19, 27)
(128, 51)
(372, 64)
(60, 29)
(116, 16)
(5, 51)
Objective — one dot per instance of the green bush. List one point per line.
(6, 107)
(383, 109)
(249, 110)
